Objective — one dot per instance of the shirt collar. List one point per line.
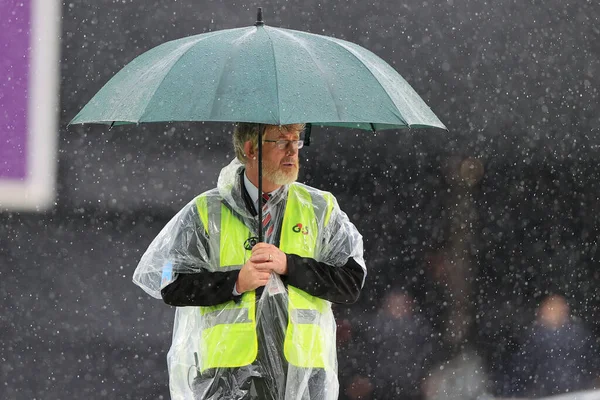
(253, 191)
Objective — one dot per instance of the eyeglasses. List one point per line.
(282, 143)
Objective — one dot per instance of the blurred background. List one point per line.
(481, 242)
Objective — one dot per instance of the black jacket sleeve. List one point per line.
(200, 289)
(336, 284)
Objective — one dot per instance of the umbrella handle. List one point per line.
(260, 191)
(307, 130)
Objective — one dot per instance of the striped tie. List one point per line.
(268, 225)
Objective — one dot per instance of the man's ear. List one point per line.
(249, 150)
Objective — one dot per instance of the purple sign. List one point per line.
(15, 24)
(29, 85)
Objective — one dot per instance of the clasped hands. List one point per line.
(266, 258)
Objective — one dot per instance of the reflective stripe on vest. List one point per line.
(305, 344)
(230, 339)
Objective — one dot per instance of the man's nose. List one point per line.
(291, 148)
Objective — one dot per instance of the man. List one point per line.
(558, 352)
(255, 321)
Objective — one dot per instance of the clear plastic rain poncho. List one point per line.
(295, 355)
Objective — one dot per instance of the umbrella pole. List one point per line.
(260, 191)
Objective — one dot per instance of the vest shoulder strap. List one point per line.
(323, 202)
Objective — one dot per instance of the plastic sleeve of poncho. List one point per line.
(340, 240)
(180, 248)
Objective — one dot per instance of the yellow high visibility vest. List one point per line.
(230, 339)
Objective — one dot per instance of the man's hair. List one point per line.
(243, 132)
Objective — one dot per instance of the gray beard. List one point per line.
(279, 177)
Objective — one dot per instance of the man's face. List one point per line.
(280, 166)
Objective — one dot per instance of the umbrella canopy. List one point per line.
(260, 74)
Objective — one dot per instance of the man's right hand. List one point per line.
(251, 277)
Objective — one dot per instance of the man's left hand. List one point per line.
(269, 257)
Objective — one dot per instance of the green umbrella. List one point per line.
(260, 74)
(264, 75)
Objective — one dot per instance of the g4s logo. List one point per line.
(299, 228)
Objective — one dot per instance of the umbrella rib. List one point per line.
(316, 63)
(352, 53)
(276, 77)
